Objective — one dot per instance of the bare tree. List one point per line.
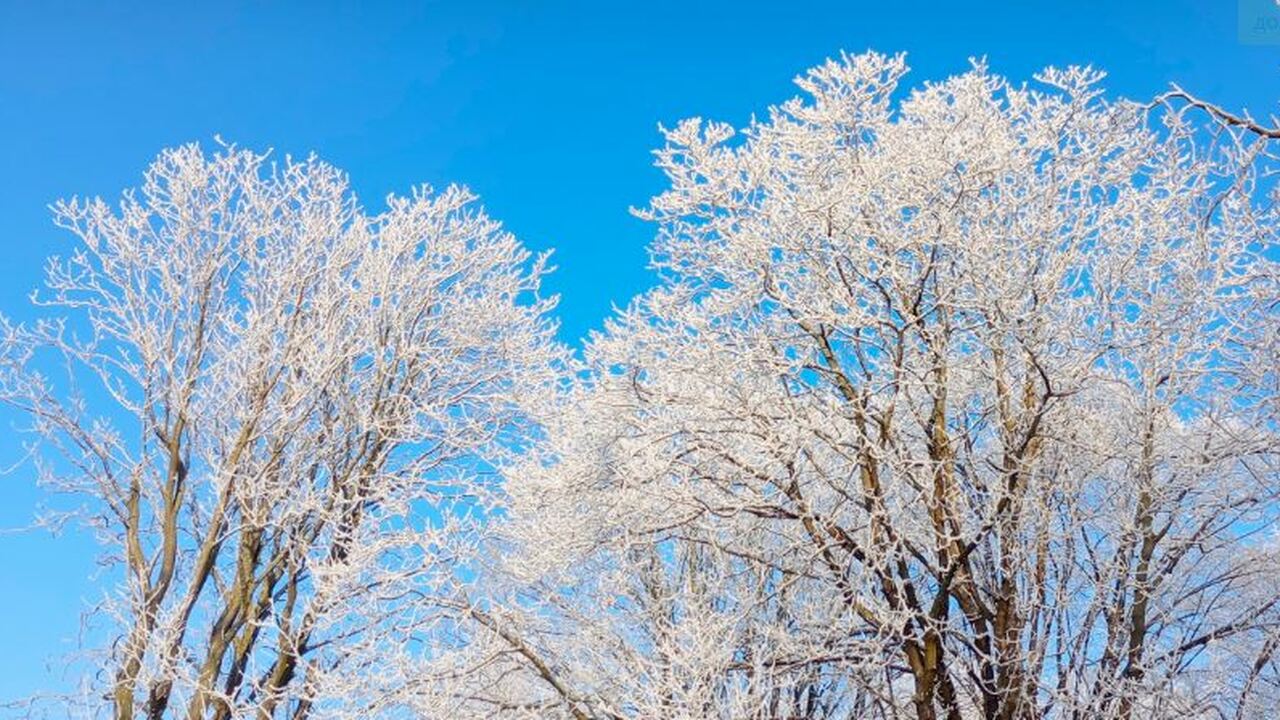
(281, 412)
(956, 403)
(953, 403)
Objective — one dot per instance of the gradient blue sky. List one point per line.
(548, 110)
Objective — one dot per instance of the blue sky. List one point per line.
(548, 110)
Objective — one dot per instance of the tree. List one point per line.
(280, 411)
(952, 403)
(955, 403)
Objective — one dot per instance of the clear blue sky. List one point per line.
(547, 109)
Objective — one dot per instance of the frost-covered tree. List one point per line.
(952, 403)
(957, 402)
(279, 413)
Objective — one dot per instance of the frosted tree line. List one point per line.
(949, 402)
